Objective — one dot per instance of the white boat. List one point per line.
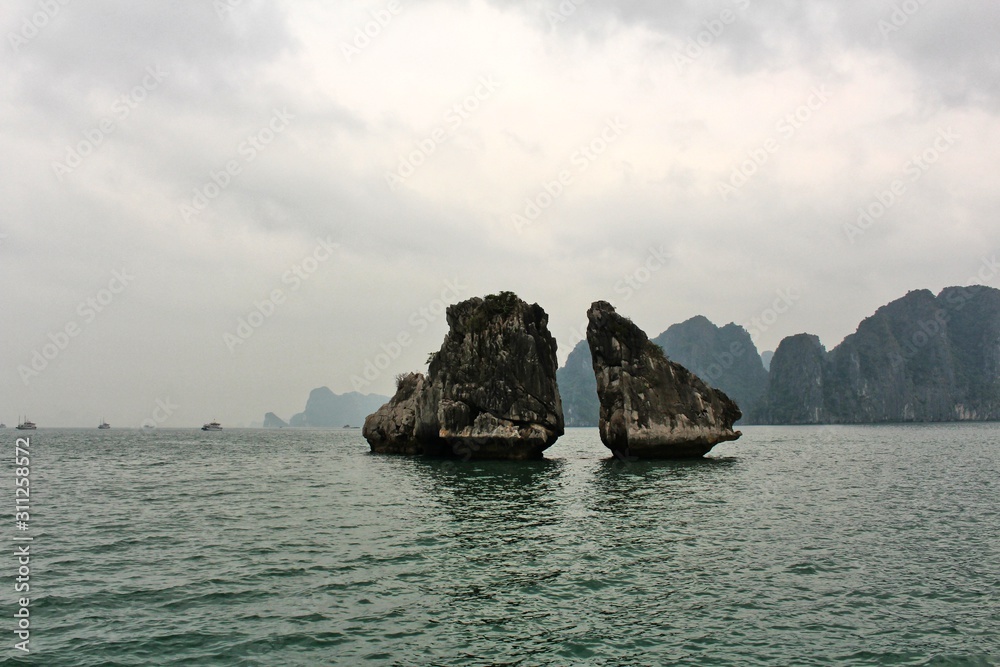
(104, 425)
(212, 426)
(26, 425)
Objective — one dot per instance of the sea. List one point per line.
(836, 545)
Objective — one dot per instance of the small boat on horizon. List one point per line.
(3, 425)
(27, 425)
(104, 425)
(212, 426)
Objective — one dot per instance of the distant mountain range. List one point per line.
(920, 358)
(325, 409)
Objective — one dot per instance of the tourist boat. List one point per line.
(212, 426)
(26, 425)
(104, 425)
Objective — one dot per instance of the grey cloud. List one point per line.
(324, 176)
(952, 46)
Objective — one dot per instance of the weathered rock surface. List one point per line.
(725, 357)
(407, 424)
(652, 407)
(490, 391)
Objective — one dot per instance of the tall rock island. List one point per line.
(490, 391)
(652, 407)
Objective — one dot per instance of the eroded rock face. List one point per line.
(408, 422)
(652, 407)
(490, 391)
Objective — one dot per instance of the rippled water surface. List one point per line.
(791, 546)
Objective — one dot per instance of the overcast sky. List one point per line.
(209, 209)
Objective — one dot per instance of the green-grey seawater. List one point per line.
(792, 546)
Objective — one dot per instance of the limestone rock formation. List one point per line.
(490, 391)
(407, 424)
(652, 407)
(725, 357)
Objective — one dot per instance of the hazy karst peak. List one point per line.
(795, 388)
(326, 409)
(272, 420)
(578, 388)
(765, 358)
(724, 357)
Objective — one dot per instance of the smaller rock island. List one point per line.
(651, 407)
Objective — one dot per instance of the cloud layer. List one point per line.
(290, 189)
